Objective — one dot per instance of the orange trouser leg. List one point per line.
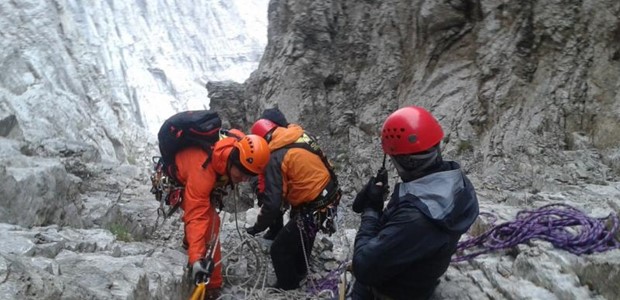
(216, 277)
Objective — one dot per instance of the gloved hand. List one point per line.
(202, 269)
(361, 198)
(372, 195)
(261, 199)
(217, 197)
(382, 176)
(252, 231)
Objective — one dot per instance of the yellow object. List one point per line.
(199, 292)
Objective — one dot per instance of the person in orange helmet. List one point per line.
(298, 175)
(401, 251)
(235, 158)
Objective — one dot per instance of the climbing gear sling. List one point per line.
(167, 191)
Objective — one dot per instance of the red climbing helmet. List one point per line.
(262, 127)
(410, 130)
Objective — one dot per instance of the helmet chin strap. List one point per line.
(412, 167)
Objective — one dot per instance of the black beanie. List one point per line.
(275, 115)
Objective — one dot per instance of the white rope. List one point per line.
(300, 225)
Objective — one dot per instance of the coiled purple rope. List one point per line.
(550, 223)
(328, 282)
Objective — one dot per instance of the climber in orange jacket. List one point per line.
(298, 177)
(234, 159)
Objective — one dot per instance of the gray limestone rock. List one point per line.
(526, 92)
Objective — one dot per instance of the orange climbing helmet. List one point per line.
(262, 127)
(410, 130)
(253, 153)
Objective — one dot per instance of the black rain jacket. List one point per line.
(402, 252)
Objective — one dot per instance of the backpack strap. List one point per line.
(224, 133)
(309, 143)
(209, 151)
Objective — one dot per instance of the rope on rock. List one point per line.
(253, 286)
(562, 225)
(329, 283)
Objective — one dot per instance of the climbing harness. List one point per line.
(562, 225)
(325, 218)
(324, 209)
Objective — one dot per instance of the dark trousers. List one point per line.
(287, 253)
(277, 224)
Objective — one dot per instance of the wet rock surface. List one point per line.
(525, 91)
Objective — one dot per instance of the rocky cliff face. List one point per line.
(86, 79)
(526, 92)
(75, 63)
(83, 86)
(517, 86)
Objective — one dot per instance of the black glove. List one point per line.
(217, 197)
(372, 195)
(261, 199)
(382, 176)
(360, 199)
(252, 231)
(201, 270)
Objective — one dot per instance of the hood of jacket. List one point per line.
(283, 136)
(447, 198)
(221, 152)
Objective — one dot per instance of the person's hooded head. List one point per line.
(275, 115)
(411, 136)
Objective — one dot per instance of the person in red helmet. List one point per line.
(235, 158)
(298, 175)
(264, 127)
(401, 251)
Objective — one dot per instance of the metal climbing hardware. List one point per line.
(167, 192)
(209, 266)
(306, 222)
(326, 219)
(324, 209)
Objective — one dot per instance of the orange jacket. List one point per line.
(199, 214)
(293, 175)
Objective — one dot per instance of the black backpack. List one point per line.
(198, 128)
